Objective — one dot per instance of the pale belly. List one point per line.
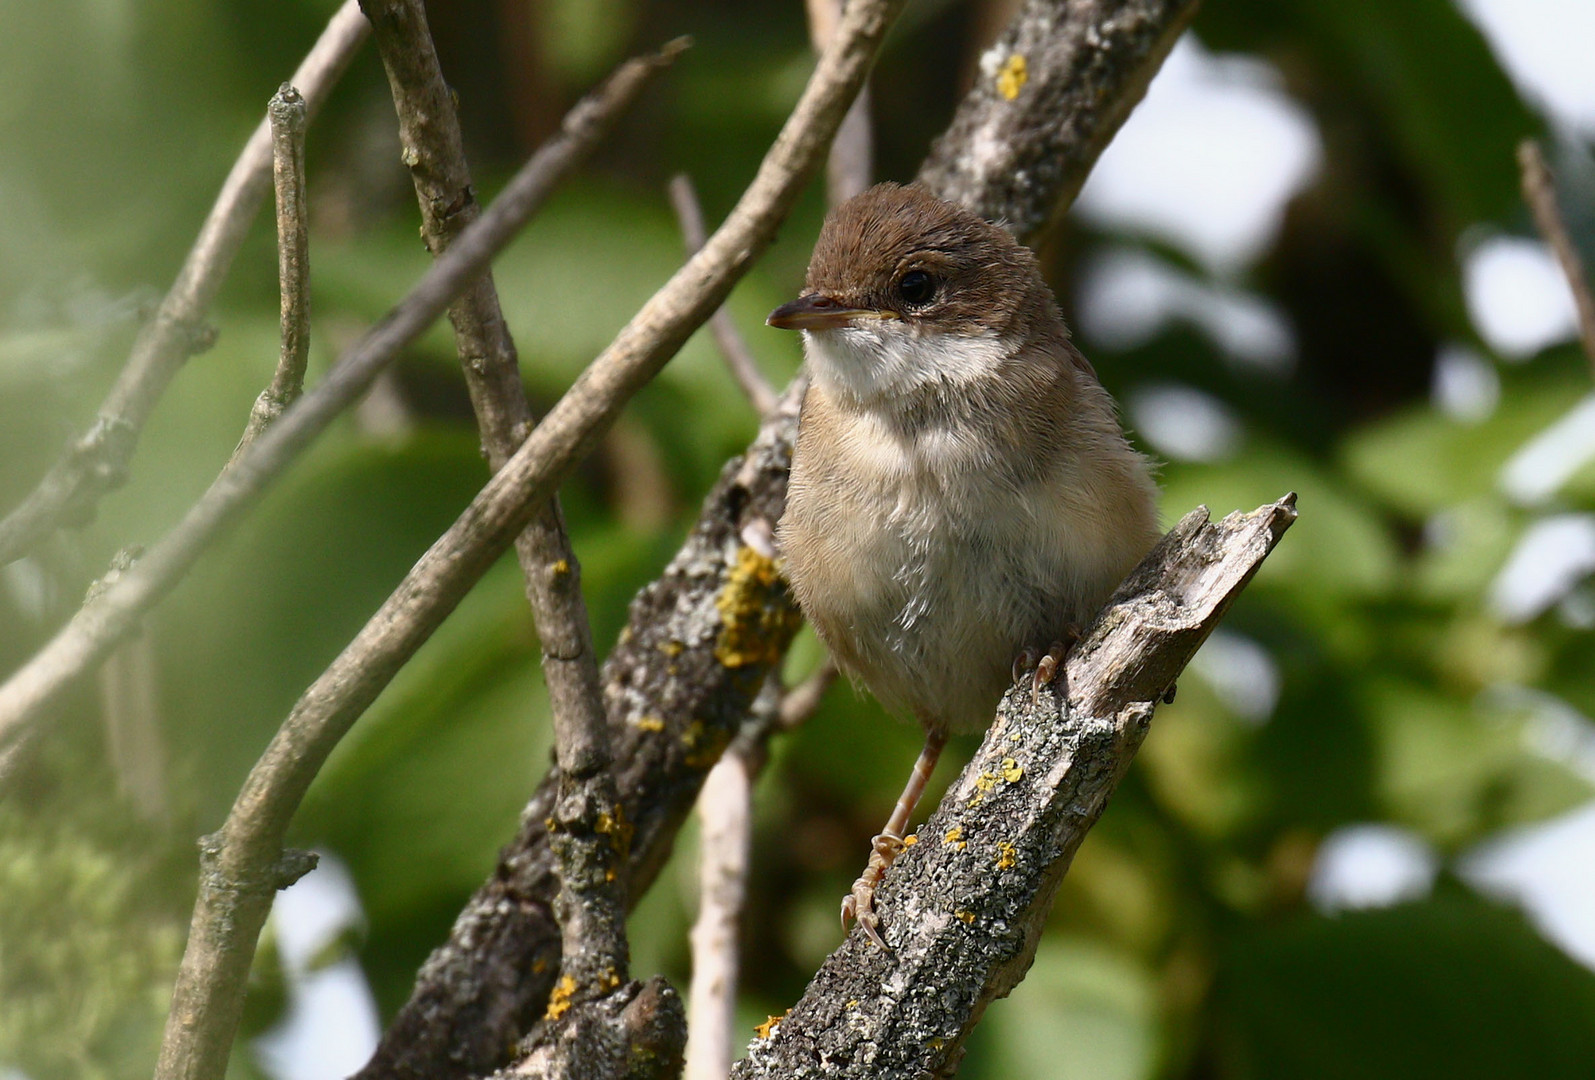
(927, 593)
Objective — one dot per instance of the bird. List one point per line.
(962, 498)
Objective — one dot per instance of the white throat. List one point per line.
(884, 359)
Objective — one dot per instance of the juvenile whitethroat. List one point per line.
(962, 497)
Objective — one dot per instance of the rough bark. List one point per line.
(1051, 92)
(964, 907)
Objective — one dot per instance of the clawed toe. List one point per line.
(1051, 662)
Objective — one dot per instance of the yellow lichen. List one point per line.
(965, 917)
(649, 723)
(560, 1001)
(608, 981)
(1005, 855)
(765, 1029)
(703, 744)
(910, 841)
(672, 648)
(617, 828)
(560, 568)
(1013, 76)
(756, 619)
(1011, 770)
(985, 783)
(955, 835)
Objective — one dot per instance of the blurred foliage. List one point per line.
(1183, 941)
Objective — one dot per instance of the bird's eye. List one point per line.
(916, 287)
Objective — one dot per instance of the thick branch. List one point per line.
(1050, 94)
(288, 116)
(672, 703)
(97, 461)
(1539, 191)
(108, 617)
(964, 908)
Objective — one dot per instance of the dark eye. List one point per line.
(916, 287)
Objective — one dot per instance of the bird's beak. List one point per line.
(816, 311)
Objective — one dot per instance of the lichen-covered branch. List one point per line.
(590, 834)
(288, 116)
(672, 704)
(1050, 93)
(96, 462)
(964, 907)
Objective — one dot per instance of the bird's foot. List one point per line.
(859, 903)
(1051, 662)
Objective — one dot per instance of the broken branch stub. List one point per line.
(964, 907)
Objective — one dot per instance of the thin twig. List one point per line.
(672, 696)
(210, 980)
(288, 117)
(733, 347)
(799, 703)
(590, 835)
(725, 815)
(97, 461)
(1539, 190)
(105, 619)
(965, 906)
(851, 164)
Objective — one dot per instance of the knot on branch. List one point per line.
(216, 877)
(636, 1031)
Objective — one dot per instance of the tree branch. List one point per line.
(111, 614)
(672, 702)
(733, 347)
(1051, 93)
(1539, 191)
(97, 461)
(288, 116)
(590, 834)
(965, 906)
(238, 880)
(851, 164)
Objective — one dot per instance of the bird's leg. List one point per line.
(885, 847)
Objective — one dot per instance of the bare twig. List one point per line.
(851, 165)
(244, 862)
(672, 700)
(109, 616)
(799, 703)
(733, 347)
(725, 814)
(1539, 190)
(590, 833)
(210, 980)
(97, 461)
(288, 116)
(966, 905)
